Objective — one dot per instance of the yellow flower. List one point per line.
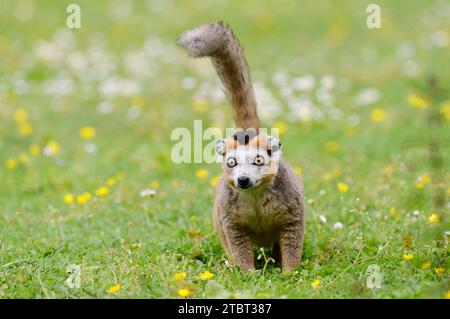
(83, 198)
(138, 101)
(408, 256)
(315, 283)
(25, 129)
(179, 276)
(418, 101)
(206, 275)
(21, 116)
(193, 218)
(419, 185)
(87, 132)
(425, 179)
(333, 146)
(281, 126)
(394, 212)
(439, 270)
(202, 173)
(194, 233)
(154, 184)
(35, 150)
(426, 265)
(298, 170)
(388, 170)
(337, 32)
(342, 187)
(447, 295)
(434, 218)
(200, 105)
(52, 148)
(445, 110)
(184, 292)
(114, 289)
(111, 181)
(378, 115)
(11, 163)
(102, 191)
(69, 199)
(214, 180)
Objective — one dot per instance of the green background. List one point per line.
(124, 55)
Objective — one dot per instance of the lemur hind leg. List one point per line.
(291, 242)
(223, 240)
(241, 247)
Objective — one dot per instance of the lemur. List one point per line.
(259, 198)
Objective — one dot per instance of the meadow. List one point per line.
(92, 205)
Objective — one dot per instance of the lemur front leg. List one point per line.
(240, 246)
(291, 243)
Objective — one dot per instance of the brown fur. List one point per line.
(260, 141)
(217, 41)
(231, 144)
(271, 213)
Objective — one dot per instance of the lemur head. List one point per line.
(249, 159)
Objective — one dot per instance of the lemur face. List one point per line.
(251, 161)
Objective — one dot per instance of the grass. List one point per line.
(123, 75)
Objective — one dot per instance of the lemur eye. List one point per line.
(259, 160)
(231, 162)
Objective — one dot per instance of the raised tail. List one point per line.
(217, 41)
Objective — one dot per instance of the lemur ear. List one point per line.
(274, 145)
(220, 147)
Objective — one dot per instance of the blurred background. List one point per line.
(86, 117)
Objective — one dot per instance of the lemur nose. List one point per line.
(243, 181)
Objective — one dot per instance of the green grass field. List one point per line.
(86, 117)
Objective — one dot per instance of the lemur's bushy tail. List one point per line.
(217, 41)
